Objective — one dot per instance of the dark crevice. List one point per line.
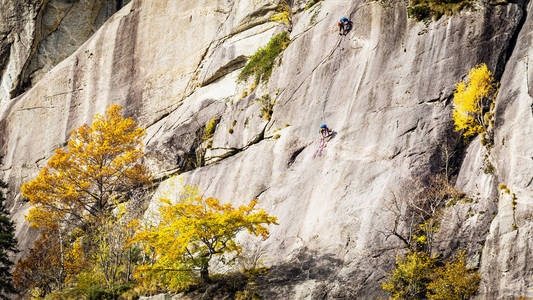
(506, 55)
(261, 192)
(294, 155)
(410, 129)
(530, 181)
(234, 151)
(22, 84)
(231, 66)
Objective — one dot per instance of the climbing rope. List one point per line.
(326, 57)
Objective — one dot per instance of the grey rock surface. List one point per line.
(35, 35)
(385, 89)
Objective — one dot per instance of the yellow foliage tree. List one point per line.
(114, 261)
(411, 277)
(473, 99)
(99, 165)
(454, 281)
(73, 199)
(417, 276)
(195, 230)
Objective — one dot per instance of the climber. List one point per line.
(345, 26)
(325, 131)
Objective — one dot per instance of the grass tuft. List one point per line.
(421, 10)
(262, 62)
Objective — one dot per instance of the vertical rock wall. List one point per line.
(385, 89)
(35, 35)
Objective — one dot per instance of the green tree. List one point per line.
(8, 245)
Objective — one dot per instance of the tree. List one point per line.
(474, 101)
(416, 212)
(454, 281)
(411, 277)
(195, 230)
(8, 245)
(419, 272)
(73, 201)
(113, 260)
(99, 165)
(42, 270)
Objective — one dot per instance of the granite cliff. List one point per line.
(385, 89)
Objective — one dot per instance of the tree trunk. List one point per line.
(204, 274)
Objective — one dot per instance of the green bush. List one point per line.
(419, 12)
(311, 4)
(267, 107)
(210, 129)
(97, 293)
(423, 9)
(419, 276)
(262, 62)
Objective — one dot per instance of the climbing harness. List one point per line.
(325, 133)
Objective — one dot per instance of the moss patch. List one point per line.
(210, 129)
(262, 62)
(424, 9)
(311, 3)
(267, 107)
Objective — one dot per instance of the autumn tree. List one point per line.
(410, 278)
(195, 230)
(47, 265)
(416, 211)
(8, 245)
(421, 272)
(454, 281)
(474, 101)
(100, 164)
(74, 200)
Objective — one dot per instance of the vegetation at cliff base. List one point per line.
(8, 245)
(418, 276)
(92, 244)
(421, 272)
(78, 206)
(262, 62)
(191, 233)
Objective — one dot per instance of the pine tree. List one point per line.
(8, 245)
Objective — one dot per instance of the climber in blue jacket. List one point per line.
(345, 26)
(325, 131)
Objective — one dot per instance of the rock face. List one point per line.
(35, 35)
(385, 89)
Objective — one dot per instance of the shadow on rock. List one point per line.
(307, 266)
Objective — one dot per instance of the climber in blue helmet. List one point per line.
(345, 26)
(324, 131)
